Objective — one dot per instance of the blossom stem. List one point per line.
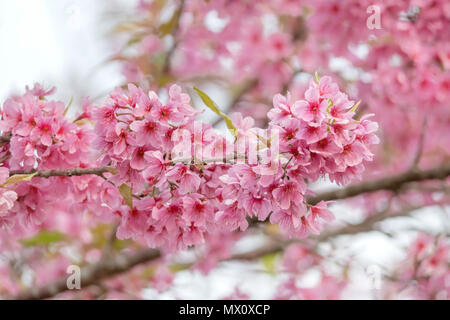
(63, 173)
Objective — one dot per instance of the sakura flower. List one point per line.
(166, 113)
(313, 133)
(181, 100)
(39, 91)
(43, 131)
(147, 132)
(351, 155)
(278, 46)
(105, 117)
(11, 116)
(258, 206)
(230, 217)
(317, 213)
(138, 159)
(241, 123)
(326, 147)
(155, 163)
(290, 220)
(193, 234)
(7, 197)
(187, 181)
(281, 109)
(289, 131)
(4, 174)
(197, 209)
(162, 278)
(312, 109)
(119, 138)
(164, 218)
(327, 88)
(290, 192)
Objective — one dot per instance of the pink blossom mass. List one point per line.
(283, 135)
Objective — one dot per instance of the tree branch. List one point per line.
(63, 173)
(112, 266)
(365, 226)
(5, 138)
(167, 61)
(391, 183)
(93, 273)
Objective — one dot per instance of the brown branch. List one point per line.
(5, 138)
(93, 274)
(365, 226)
(391, 183)
(167, 61)
(112, 266)
(63, 173)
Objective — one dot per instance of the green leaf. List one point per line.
(316, 75)
(164, 79)
(43, 238)
(180, 267)
(148, 272)
(68, 106)
(213, 106)
(125, 191)
(18, 178)
(269, 261)
(355, 106)
(121, 244)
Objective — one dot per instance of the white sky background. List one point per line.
(64, 43)
(59, 43)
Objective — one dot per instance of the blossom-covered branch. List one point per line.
(391, 183)
(63, 173)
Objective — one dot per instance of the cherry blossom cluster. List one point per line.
(189, 180)
(41, 137)
(424, 273)
(38, 135)
(403, 64)
(316, 136)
